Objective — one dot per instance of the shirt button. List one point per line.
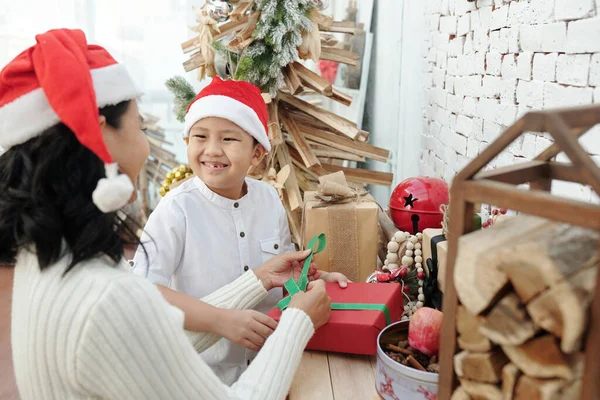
(242, 234)
(276, 246)
(236, 204)
(246, 268)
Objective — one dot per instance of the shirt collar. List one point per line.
(218, 199)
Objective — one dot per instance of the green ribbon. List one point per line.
(316, 245)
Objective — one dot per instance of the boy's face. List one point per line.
(220, 153)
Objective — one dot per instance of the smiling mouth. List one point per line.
(214, 165)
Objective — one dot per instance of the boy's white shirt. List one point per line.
(195, 245)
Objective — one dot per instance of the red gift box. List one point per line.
(355, 331)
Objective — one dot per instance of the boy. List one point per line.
(212, 228)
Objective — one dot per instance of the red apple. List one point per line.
(424, 330)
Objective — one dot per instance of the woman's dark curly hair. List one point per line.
(46, 187)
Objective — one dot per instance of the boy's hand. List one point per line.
(338, 277)
(247, 328)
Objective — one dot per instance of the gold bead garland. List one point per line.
(177, 174)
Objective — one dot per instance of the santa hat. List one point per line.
(237, 101)
(63, 79)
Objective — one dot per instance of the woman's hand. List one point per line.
(338, 277)
(314, 302)
(278, 270)
(247, 328)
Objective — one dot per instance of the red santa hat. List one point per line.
(237, 101)
(63, 79)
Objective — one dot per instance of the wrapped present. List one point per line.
(435, 250)
(359, 311)
(349, 218)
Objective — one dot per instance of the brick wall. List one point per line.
(488, 62)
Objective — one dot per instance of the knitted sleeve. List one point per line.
(133, 347)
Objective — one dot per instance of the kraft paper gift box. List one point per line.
(435, 237)
(350, 221)
(355, 331)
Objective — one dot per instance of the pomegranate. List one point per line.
(424, 330)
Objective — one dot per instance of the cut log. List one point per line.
(564, 308)
(291, 186)
(308, 157)
(470, 338)
(359, 175)
(530, 388)
(313, 80)
(460, 394)
(508, 323)
(244, 37)
(341, 97)
(481, 391)
(510, 375)
(480, 367)
(275, 136)
(540, 358)
(532, 252)
(548, 257)
(292, 80)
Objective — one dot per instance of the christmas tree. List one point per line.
(264, 42)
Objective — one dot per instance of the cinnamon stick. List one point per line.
(415, 364)
(399, 350)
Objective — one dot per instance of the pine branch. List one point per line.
(184, 95)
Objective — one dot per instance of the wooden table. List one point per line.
(334, 376)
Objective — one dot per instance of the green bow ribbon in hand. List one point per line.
(316, 245)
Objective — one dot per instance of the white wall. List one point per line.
(490, 61)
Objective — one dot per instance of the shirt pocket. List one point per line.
(270, 248)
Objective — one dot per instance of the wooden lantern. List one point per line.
(499, 187)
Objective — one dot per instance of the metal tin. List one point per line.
(395, 381)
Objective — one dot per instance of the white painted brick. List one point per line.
(475, 20)
(434, 22)
(445, 135)
(441, 60)
(524, 65)
(506, 114)
(439, 96)
(455, 48)
(426, 169)
(486, 109)
(509, 67)
(443, 117)
(554, 37)
(464, 125)
(503, 159)
(464, 6)
(509, 91)
(462, 161)
(453, 66)
(470, 106)
(464, 25)
(435, 128)
(529, 146)
(498, 43)
(468, 47)
(597, 95)
(573, 9)
(469, 64)
(427, 66)
(449, 175)
(455, 103)
(485, 16)
(472, 147)
(516, 147)
(448, 25)
(573, 69)
(439, 166)
(544, 67)
(499, 18)
(595, 70)
(517, 15)
(571, 190)
(480, 63)
(491, 131)
(513, 39)
(556, 95)
(591, 140)
(476, 129)
(472, 86)
(452, 122)
(459, 143)
(481, 40)
(441, 41)
(583, 36)
(542, 11)
(541, 144)
(428, 79)
(494, 63)
(530, 37)
(432, 54)
(530, 93)
(444, 8)
(452, 7)
(492, 86)
(439, 77)
(449, 84)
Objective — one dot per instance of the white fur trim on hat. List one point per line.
(227, 108)
(113, 192)
(31, 114)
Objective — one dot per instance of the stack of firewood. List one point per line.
(310, 140)
(525, 287)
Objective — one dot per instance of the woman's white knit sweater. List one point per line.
(102, 332)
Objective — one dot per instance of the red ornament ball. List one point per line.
(383, 277)
(403, 272)
(406, 289)
(421, 275)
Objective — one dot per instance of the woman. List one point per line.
(82, 325)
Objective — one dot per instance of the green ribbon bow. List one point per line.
(316, 245)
